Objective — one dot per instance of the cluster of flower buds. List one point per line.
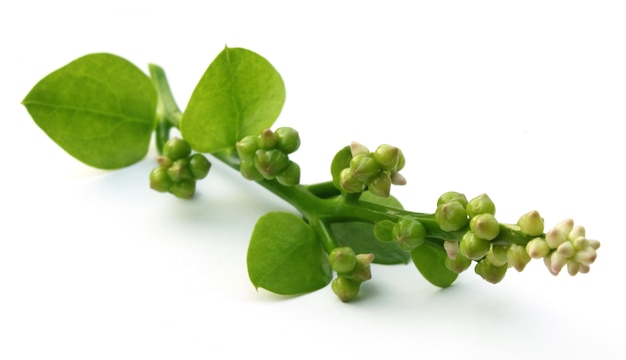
(266, 156)
(351, 269)
(564, 245)
(178, 169)
(373, 171)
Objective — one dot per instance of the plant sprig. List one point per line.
(103, 111)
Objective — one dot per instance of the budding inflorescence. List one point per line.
(374, 171)
(266, 156)
(178, 169)
(563, 246)
(351, 269)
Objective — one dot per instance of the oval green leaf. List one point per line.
(285, 256)
(99, 108)
(430, 261)
(240, 94)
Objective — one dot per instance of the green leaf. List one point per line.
(285, 256)
(240, 94)
(100, 108)
(430, 261)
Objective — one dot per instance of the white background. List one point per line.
(523, 100)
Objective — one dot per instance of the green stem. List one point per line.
(168, 114)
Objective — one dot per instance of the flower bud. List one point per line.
(556, 262)
(270, 162)
(401, 161)
(452, 196)
(342, 259)
(573, 267)
(248, 170)
(179, 171)
(531, 223)
(267, 140)
(387, 157)
(199, 166)
(362, 270)
(485, 226)
(451, 216)
(518, 257)
(176, 148)
(356, 149)
(555, 237)
(184, 189)
(348, 182)
(490, 272)
(537, 248)
(290, 175)
(481, 204)
(459, 264)
(397, 178)
(565, 227)
(409, 233)
(345, 289)
(288, 139)
(247, 147)
(566, 249)
(164, 162)
(473, 247)
(451, 247)
(586, 256)
(380, 185)
(497, 254)
(159, 180)
(578, 231)
(364, 167)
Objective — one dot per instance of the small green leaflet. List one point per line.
(100, 108)
(240, 94)
(285, 256)
(430, 261)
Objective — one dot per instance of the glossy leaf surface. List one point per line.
(430, 261)
(100, 108)
(240, 94)
(285, 256)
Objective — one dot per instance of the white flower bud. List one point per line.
(573, 267)
(585, 256)
(565, 226)
(398, 179)
(555, 237)
(594, 244)
(566, 250)
(557, 261)
(356, 148)
(577, 231)
(537, 248)
(452, 248)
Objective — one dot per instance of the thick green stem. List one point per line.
(167, 113)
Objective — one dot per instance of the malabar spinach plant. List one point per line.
(104, 111)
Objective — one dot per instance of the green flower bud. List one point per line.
(179, 171)
(248, 170)
(247, 147)
(497, 254)
(270, 162)
(356, 148)
(164, 162)
(485, 226)
(401, 161)
(473, 247)
(288, 139)
(459, 264)
(364, 167)
(409, 233)
(267, 140)
(537, 248)
(349, 183)
(159, 180)
(451, 216)
(362, 271)
(490, 272)
(452, 196)
(518, 257)
(290, 175)
(345, 289)
(387, 157)
(481, 204)
(184, 189)
(342, 260)
(380, 185)
(199, 166)
(383, 230)
(531, 223)
(176, 148)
